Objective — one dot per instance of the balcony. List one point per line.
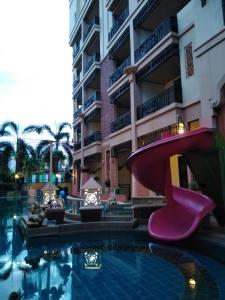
(162, 68)
(94, 97)
(79, 111)
(171, 95)
(76, 50)
(118, 23)
(94, 21)
(168, 25)
(123, 89)
(93, 80)
(92, 59)
(77, 146)
(121, 46)
(154, 11)
(121, 122)
(76, 82)
(95, 137)
(119, 71)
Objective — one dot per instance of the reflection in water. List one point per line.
(103, 268)
(92, 260)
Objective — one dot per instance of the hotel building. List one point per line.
(142, 69)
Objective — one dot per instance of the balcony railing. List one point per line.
(118, 23)
(95, 137)
(76, 50)
(171, 95)
(94, 97)
(77, 146)
(76, 82)
(76, 114)
(161, 58)
(94, 21)
(119, 71)
(168, 25)
(92, 59)
(121, 122)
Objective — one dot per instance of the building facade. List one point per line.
(142, 69)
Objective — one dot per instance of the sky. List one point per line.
(35, 62)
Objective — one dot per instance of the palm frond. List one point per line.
(34, 128)
(63, 125)
(6, 146)
(4, 132)
(68, 149)
(49, 130)
(42, 147)
(63, 135)
(12, 125)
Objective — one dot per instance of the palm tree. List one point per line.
(34, 163)
(20, 149)
(60, 144)
(6, 152)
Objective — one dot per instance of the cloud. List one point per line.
(35, 62)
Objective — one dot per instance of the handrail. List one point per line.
(119, 71)
(121, 122)
(168, 25)
(171, 95)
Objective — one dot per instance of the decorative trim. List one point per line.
(210, 43)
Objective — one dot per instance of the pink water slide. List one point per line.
(151, 167)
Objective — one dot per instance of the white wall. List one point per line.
(206, 32)
(106, 24)
(190, 85)
(208, 19)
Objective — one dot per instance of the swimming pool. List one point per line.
(103, 266)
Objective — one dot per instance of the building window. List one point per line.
(195, 124)
(189, 60)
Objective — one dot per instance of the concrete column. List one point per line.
(130, 71)
(137, 189)
(82, 152)
(113, 172)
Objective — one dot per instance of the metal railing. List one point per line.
(94, 97)
(118, 23)
(94, 21)
(121, 122)
(161, 58)
(168, 25)
(76, 50)
(76, 114)
(95, 137)
(91, 60)
(171, 95)
(76, 82)
(119, 71)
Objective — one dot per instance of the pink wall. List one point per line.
(107, 109)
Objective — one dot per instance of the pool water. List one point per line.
(103, 266)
